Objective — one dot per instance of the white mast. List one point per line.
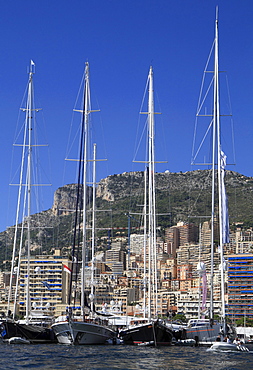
(199, 270)
(27, 147)
(145, 246)
(217, 157)
(93, 227)
(26, 182)
(85, 143)
(17, 221)
(219, 176)
(151, 199)
(150, 221)
(29, 113)
(216, 146)
(85, 152)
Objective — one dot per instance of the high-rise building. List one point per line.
(240, 290)
(116, 258)
(180, 234)
(243, 241)
(188, 233)
(206, 235)
(172, 240)
(48, 282)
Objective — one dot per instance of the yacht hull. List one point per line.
(33, 333)
(204, 334)
(153, 333)
(207, 333)
(81, 333)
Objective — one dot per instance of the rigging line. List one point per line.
(202, 142)
(200, 192)
(80, 174)
(18, 210)
(102, 135)
(75, 105)
(71, 141)
(136, 146)
(20, 248)
(138, 143)
(141, 138)
(164, 136)
(232, 122)
(205, 96)
(39, 165)
(18, 132)
(199, 105)
(205, 71)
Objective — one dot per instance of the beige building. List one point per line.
(49, 282)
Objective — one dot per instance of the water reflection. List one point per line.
(119, 357)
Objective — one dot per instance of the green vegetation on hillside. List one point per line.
(179, 197)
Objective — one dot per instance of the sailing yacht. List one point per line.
(150, 330)
(36, 331)
(87, 328)
(206, 331)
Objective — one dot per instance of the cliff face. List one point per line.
(178, 187)
(180, 197)
(64, 200)
(119, 186)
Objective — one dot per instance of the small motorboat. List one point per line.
(18, 340)
(150, 343)
(185, 342)
(228, 347)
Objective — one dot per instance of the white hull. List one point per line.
(80, 332)
(228, 347)
(203, 334)
(18, 340)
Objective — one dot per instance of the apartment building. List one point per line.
(240, 289)
(49, 281)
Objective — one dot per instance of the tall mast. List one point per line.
(86, 112)
(220, 181)
(199, 270)
(145, 246)
(93, 227)
(216, 145)
(151, 198)
(82, 173)
(220, 158)
(27, 144)
(29, 117)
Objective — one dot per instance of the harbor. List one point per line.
(142, 269)
(119, 357)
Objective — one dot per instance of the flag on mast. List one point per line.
(224, 202)
(67, 269)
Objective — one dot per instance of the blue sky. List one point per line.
(120, 39)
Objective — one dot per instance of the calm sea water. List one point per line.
(55, 356)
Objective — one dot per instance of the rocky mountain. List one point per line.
(119, 199)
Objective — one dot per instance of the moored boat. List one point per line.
(74, 331)
(152, 333)
(203, 330)
(88, 327)
(151, 330)
(35, 334)
(18, 340)
(228, 347)
(34, 331)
